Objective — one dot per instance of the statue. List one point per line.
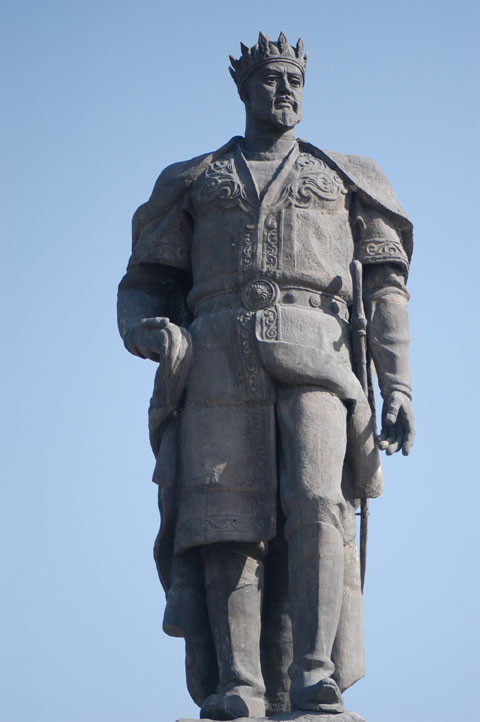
(252, 272)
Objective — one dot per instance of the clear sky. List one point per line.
(98, 98)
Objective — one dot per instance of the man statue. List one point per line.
(239, 287)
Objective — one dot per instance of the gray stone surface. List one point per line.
(297, 717)
(263, 275)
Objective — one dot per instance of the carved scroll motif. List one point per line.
(270, 330)
(253, 372)
(247, 247)
(315, 180)
(257, 387)
(222, 182)
(381, 250)
(270, 242)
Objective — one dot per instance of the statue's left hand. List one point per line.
(156, 338)
(398, 426)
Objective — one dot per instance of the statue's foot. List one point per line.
(277, 704)
(324, 697)
(231, 705)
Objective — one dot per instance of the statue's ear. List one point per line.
(244, 96)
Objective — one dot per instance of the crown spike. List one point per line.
(282, 42)
(263, 41)
(245, 49)
(299, 48)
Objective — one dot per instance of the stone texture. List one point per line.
(297, 717)
(263, 275)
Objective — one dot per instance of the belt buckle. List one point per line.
(260, 294)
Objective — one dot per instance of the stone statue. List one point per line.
(240, 288)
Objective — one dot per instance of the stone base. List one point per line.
(296, 717)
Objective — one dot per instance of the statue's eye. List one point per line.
(270, 79)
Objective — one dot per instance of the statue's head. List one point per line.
(270, 77)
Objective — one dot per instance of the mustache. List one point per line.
(280, 102)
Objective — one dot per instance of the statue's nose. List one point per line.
(285, 93)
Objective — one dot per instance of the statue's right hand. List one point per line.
(149, 339)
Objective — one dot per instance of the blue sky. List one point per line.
(98, 98)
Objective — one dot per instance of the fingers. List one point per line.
(390, 415)
(149, 339)
(391, 439)
(393, 408)
(155, 323)
(397, 444)
(387, 437)
(408, 442)
(398, 429)
(409, 426)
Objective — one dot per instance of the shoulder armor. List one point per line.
(372, 186)
(170, 187)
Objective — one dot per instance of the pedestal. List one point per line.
(297, 717)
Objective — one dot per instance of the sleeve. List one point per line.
(165, 240)
(378, 238)
(158, 276)
(379, 247)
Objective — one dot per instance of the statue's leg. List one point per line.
(186, 616)
(313, 442)
(276, 642)
(234, 587)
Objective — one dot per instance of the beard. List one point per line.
(285, 118)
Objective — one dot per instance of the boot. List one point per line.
(276, 643)
(316, 564)
(233, 586)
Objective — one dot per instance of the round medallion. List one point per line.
(259, 294)
(315, 300)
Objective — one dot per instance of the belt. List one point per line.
(262, 293)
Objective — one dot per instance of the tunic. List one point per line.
(270, 295)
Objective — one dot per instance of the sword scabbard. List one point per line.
(358, 323)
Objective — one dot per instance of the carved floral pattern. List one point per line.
(381, 250)
(315, 180)
(257, 387)
(270, 324)
(384, 247)
(221, 181)
(259, 294)
(253, 372)
(270, 242)
(247, 247)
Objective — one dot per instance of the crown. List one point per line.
(266, 51)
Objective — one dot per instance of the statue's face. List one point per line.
(274, 93)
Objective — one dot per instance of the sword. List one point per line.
(359, 337)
